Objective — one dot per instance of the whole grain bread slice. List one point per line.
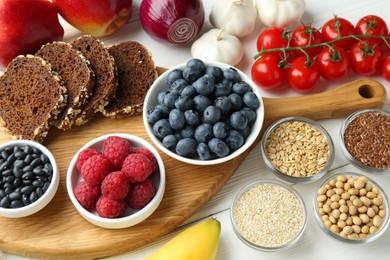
(31, 97)
(136, 73)
(79, 79)
(103, 65)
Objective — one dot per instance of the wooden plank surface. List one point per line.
(58, 231)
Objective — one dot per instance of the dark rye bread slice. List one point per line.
(103, 65)
(31, 96)
(79, 79)
(136, 73)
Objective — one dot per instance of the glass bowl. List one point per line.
(345, 219)
(263, 210)
(288, 157)
(369, 148)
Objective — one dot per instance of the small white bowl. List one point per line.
(47, 196)
(161, 85)
(132, 217)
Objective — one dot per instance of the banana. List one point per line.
(199, 242)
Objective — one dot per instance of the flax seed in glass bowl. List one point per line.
(365, 140)
(268, 215)
(297, 149)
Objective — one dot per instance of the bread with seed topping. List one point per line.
(79, 79)
(103, 65)
(31, 96)
(136, 73)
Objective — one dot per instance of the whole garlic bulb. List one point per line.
(217, 45)
(238, 17)
(280, 13)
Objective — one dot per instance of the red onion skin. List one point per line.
(176, 22)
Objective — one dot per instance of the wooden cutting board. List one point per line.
(59, 232)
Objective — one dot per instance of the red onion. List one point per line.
(174, 21)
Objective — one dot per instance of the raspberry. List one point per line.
(150, 155)
(116, 149)
(109, 208)
(140, 194)
(137, 167)
(115, 186)
(84, 155)
(87, 194)
(95, 169)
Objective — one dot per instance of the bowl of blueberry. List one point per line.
(29, 178)
(203, 113)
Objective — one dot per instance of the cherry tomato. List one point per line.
(266, 72)
(305, 35)
(333, 63)
(386, 67)
(366, 59)
(372, 25)
(272, 38)
(302, 76)
(330, 32)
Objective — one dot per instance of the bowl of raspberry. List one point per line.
(203, 113)
(116, 180)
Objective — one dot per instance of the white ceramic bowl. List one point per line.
(161, 85)
(47, 196)
(132, 217)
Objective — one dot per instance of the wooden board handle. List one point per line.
(335, 103)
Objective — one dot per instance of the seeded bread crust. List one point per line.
(103, 65)
(31, 97)
(136, 73)
(79, 78)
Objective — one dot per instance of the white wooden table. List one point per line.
(314, 243)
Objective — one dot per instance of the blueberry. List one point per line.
(178, 86)
(156, 113)
(184, 103)
(236, 100)
(203, 133)
(191, 73)
(205, 85)
(238, 120)
(232, 75)
(191, 117)
(189, 91)
(245, 132)
(241, 87)
(186, 147)
(176, 119)
(188, 131)
(174, 75)
(220, 130)
(224, 104)
(211, 115)
(219, 147)
(170, 142)
(204, 152)
(250, 100)
(201, 102)
(196, 64)
(161, 96)
(217, 73)
(234, 140)
(169, 100)
(162, 128)
(249, 113)
(222, 89)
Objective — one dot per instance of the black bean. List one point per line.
(27, 168)
(20, 155)
(27, 189)
(11, 159)
(42, 178)
(17, 171)
(4, 203)
(46, 186)
(19, 163)
(4, 166)
(36, 162)
(10, 179)
(16, 149)
(8, 188)
(28, 176)
(27, 149)
(44, 158)
(16, 204)
(37, 183)
(4, 154)
(39, 192)
(15, 195)
(2, 193)
(36, 151)
(38, 170)
(25, 200)
(18, 182)
(27, 182)
(7, 172)
(28, 159)
(33, 197)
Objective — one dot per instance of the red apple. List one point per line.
(97, 18)
(25, 26)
